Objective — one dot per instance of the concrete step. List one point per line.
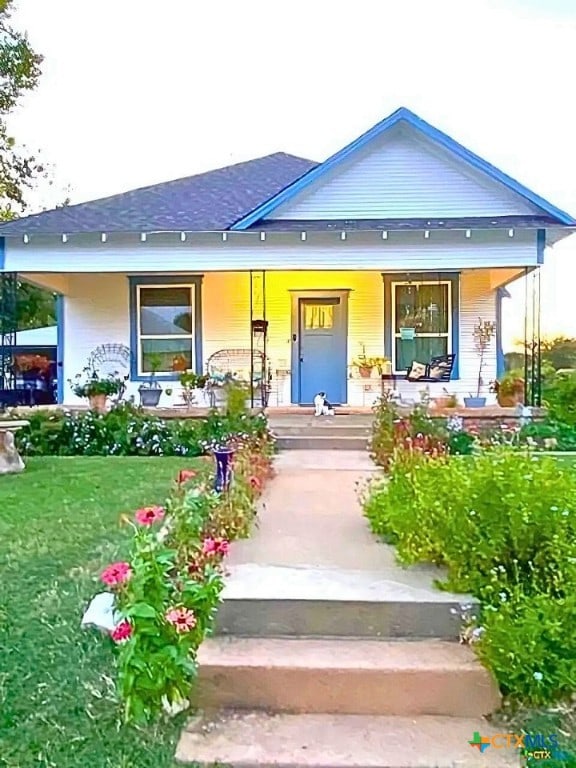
(322, 428)
(344, 676)
(322, 443)
(284, 601)
(261, 740)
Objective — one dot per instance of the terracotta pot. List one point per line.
(365, 371)
(98, 403)
(509, 401)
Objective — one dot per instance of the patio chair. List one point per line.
(438, 370)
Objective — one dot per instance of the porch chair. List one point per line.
(243, 364)
(439, 369)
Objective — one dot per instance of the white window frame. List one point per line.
(146, 336)
(396, 335)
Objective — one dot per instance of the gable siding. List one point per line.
(403, 176)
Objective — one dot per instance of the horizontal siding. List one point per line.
(400, 175)
(97, 312)
(244, 251)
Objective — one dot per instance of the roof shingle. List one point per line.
(207, 202)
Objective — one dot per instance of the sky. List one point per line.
(136, 92)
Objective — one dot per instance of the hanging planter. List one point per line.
(407, 334)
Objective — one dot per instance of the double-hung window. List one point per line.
(421, 321)
(165, 327)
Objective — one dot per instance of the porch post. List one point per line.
(8, 327)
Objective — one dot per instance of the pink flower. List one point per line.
(186, 474)
(122, 632)
(149, 515)
(182, 619)
(255, 482)
(215, 547)
(117, 573)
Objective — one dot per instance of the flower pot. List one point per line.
(365, 371)
(474, 402)
(149, 398)
(509, 401)
(223, 476)
(98, 403)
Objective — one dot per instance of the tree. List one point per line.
(19, 73)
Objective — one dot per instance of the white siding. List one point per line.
(97, 312)
(401, 175)
(244, 251)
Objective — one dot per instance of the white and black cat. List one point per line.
(321, 405)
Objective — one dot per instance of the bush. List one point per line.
(560, 398)
(503, 523)
(128, 431)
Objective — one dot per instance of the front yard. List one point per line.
(59, 525)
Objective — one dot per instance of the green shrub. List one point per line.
(128, 431)
(559, 395)
(503, 523)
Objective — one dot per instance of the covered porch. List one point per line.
(335, 331)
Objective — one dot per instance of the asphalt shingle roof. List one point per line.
(211, 201)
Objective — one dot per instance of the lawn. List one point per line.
(59, 524)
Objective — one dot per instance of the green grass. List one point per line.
(59, 524)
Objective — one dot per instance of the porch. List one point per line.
(312, 327)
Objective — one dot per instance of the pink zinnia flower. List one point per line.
(255, 482)
(117, 573)
(182, 619)
(186, 474)
(149, 515)
(215, 547)
(122, 632)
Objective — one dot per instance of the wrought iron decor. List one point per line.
(111, 360)
(8, 327)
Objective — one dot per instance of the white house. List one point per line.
(402, 229)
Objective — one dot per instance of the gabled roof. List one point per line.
(210, 201)
(406, 117)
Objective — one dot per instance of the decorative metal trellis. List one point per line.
(8, 327)
(258, 334)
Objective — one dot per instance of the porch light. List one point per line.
(64, 238)
(26, 238)
(342, 235)
(262, 236)
(302, 235)
(427, 234)
(183, 236)
(104, 237)
(384, 235)
(143, 237)
(510, 233)
(468, 233)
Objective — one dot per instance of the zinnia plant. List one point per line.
(168, 590)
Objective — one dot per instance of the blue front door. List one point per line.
(322, 349)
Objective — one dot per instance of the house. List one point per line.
(394, 246)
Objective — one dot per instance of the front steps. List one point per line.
(344, 676)
(334, 433)
(265, 740)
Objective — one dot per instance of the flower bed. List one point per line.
(503, 524)
(129, 431)
(161, 601)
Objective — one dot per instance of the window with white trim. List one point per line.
(421, 322)
(165, 328)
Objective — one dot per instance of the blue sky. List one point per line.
(136, 92)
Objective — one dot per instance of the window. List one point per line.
(165, 328)
(421, 321)
(318, 316)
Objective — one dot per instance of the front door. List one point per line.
(321, 342)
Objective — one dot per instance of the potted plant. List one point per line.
(382, 364)
(193, 385)
(151, 391)
(364, 364)
(97, 390)
(483, 333)
(446, 400)
(509, 390)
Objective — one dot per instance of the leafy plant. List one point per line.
(155, 363)
(483, 332)
(167, 591)
(190, 381)
(503, 524)
(90, 384)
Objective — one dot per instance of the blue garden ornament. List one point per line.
(223, 456)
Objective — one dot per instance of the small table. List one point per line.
(10, 460)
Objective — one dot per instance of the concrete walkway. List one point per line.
(312, 541)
